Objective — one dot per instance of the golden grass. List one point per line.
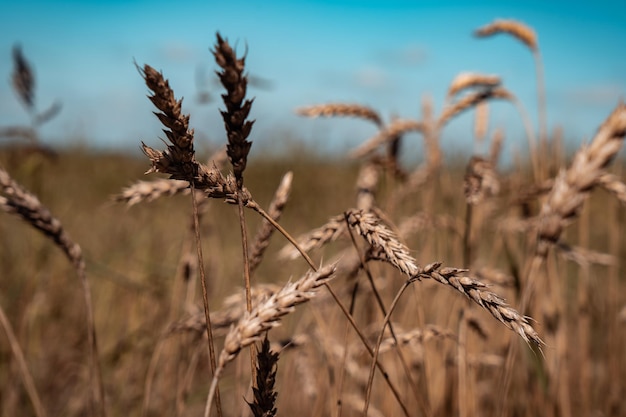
(370, 304)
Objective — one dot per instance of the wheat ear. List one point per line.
(266, 316)
(380, 237)
(262, 238)
(341, 110)
(572, 186)
(467, 80)
(395, 129)
(519, 30)
(264, 404)
(333, 229)
(238, 129)
(471, 100)
(179, 161)
(23, 79)
(528, 37)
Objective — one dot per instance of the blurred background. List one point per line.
(383, 54)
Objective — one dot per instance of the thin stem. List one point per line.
(394, 390)
(212, 391)
(467, 236)
(205, 298)
(461, 352)
(254, 206)
(541, 107)
(531, 271)
(422, 402)
(532, 140)
(246, 276)
(342, 371)
(27, 378)
(370, 380)
(96, 374)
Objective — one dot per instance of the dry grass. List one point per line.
(380, 334)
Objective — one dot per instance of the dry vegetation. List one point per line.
(449, 288)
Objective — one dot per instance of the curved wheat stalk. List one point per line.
(528, 37)
(380, 237)
(467, 80)
(519, 30)
(26, 205)
(392, 131)
(341, 110)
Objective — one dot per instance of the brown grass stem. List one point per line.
(355, 326)
(266, 229)
(254, 206)
(461, 364)
(258, 209)
(342, 110)
(205, 298)
(530, 276)
(27, 378)
(21, 202)
(467, 236)
(246, 277)
(420, 399)
(542, 110)
(394, 252)
(392, 307)
(344, 356)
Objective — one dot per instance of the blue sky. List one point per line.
(385, 54)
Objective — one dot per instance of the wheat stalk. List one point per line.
(341, 110)
(467, 80)
(26, 205)
(23, 78)
(393, 130)
(237, 110)
(367, 182)
(475, 98)
(266, 316)
(380, 237)
(148, 191)
(481, 180)
(572, 186)
(613, 185)
(151, 190)
(471, 100)
(262, 238)
(18, 354)
(527, 36)
(233, 309)
(481, 121)
(237, 130)
(179, 161)
(495, 149)
(519, 30)
(315, 239)
(264, 404)
(415, 336)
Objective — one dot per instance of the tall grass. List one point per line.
(455, 287)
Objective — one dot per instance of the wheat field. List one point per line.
(230, 283)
